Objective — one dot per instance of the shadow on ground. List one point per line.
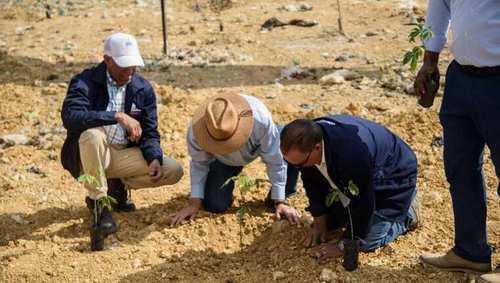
(25, 70)
(276, 252)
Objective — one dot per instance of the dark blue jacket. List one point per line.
(85, 107)
(382, 166)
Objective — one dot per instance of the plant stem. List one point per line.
(339, 20)
(350, 223)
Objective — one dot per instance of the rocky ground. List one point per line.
(296, 71)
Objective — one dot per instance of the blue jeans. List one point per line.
(383, 231)
(218, 199)
(470, 118)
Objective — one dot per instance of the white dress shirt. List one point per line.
(475, 26)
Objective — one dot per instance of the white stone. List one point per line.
(331, 79)
(327, 275)
(14, 139)
(18, 219)
(278, 275)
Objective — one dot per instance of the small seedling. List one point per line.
(350, 247)
(412, 57)
(91, 180)
(245, 184)
(334, 194)
(296, 62)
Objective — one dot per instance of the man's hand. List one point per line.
(290, 213)
(131, 125)
(155, 171)
(317, 232)
(189, 211)
(326, 251)
(430, 66)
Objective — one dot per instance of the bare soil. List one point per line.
(43, 220)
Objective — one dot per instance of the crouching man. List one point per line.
(110, 114)
(335, 151)
(226, 133)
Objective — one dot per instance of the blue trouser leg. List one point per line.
(464, 140)
(292, 174)
(383, 231)
(217, 198)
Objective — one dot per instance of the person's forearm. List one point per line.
(199, 172)
(83, 120)
(277, 176)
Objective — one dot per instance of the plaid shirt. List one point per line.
(116, 133)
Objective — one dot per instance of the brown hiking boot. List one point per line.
(492, 277)
(452, 262)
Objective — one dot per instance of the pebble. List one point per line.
(348, 75)
(278, 275)
(13, 140)
(18, 219)
(296, 7)
(37, 170)
(327, 275)
(343, 57)
(136, 263)
(409, 89)
(198, 62)
(331, 79)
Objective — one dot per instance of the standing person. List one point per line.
(226, 133)
(111, 118)
(470, 117)
(339, 150)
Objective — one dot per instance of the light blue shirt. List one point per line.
(115, 133)
(475, 26)
(264, 141)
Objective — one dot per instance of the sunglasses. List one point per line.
(301, 164)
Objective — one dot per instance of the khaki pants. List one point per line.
(103, 161)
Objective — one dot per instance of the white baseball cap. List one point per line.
(123, 48)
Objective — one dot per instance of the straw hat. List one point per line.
(222, 124)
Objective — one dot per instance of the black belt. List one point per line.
(481, 71)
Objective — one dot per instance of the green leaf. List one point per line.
(112, 200)
(106, 202)
(89, 179)
(413, 64)
(331, 197)
(229, 181)
(353, 188)
(407, 57)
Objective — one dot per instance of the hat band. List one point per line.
(244, 113)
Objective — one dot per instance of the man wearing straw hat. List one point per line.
(226, 133)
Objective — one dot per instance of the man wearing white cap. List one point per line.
(111, 118)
